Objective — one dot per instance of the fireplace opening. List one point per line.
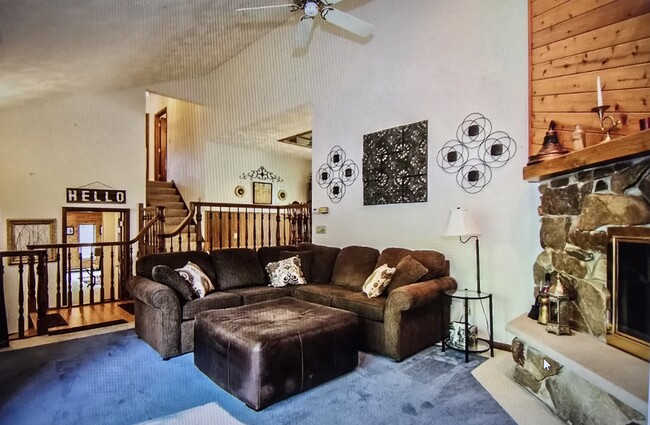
(629, 283)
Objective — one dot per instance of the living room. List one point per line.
(434, 61)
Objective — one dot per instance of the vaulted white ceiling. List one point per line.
(58, 46)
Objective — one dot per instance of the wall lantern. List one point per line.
(558, 309)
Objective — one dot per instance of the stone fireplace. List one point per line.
(580, 376)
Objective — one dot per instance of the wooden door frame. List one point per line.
(159, 145)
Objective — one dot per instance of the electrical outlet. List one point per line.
(321, 230)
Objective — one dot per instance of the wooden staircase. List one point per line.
(167, 195)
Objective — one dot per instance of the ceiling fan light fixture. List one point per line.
(311, 9)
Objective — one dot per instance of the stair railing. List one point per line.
(224, 225)
(35, 261)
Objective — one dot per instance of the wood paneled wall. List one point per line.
(572, 42)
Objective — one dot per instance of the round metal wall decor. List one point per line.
(475, 152)
(338, 173)
(239, 191)
(282, 195)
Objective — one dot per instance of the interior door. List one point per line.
(160, 145)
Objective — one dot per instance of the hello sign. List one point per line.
(95, 196)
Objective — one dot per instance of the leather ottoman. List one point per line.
(266, 352)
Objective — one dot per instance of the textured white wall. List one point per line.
(435, 61)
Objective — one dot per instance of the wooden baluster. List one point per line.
(21, 300)
(262, 228)
(69, 266)
(92, 278)
(220, 228)
(58, 278)
(229, 228)
(268, 231)
(81, 278)
(31, 290)
(180, 241)
(112, 292)
(246, 226)
(238, 228)
(277, 227)
(101, 275)
(4, 329)
(129, 273)
(198, 228)
(43, 299)
(254, 229)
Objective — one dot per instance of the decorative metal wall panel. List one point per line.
(395, 165)
(337, 173)
(475, 152)
(261, 174)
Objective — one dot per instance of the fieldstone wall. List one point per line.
(570, 396)
(576, 211)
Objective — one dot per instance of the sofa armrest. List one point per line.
(154, 294)
(419, 294)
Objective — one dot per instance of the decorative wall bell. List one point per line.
(559, 307)
(551, 147)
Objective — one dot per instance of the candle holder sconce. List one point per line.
(603, 119)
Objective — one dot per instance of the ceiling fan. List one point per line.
(311, 9)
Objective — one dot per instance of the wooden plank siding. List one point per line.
(572, 42)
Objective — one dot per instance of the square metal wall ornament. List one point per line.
(395, 165)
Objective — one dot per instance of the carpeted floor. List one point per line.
(118, 379)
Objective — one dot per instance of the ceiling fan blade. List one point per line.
(347, 22)
(303, 32)
(330, 2)
(246, 9)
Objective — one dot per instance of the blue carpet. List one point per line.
(118, 379)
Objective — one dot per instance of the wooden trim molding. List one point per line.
(633, 145)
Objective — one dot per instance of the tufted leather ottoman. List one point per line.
(265, 352)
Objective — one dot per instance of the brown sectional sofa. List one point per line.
(396, 324)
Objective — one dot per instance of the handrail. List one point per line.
(182, 224)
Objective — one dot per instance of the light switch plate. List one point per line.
(321, 230)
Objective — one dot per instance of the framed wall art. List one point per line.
(262, 193)
(21, 233)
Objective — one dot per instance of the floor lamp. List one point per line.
(461, 224)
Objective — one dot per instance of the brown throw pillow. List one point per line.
(407, 271)
(171, 278)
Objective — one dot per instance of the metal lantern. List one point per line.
(559, 307)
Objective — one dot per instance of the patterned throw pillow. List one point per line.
(378, 280)
(285, 272)
(200, 283)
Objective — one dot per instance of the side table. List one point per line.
(466, 296)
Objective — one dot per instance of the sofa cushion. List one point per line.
(379, 279)
(319, 294)
(271, 254)
(322, 261)
(199, 281)
(256, 294)
(353, 266)
(305, 261)
(145, 265)
(214, 300)
(237, 267)
(361, 305)
(434, 261)
(171, 278)
(407, 271)
(285, 273)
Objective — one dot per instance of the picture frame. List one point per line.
(262, 193)
(24, 232)
(69, 230)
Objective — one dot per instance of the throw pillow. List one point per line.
(378, 281)
(171, 278)
(285, 272)
(305, 261)
(198, 280)
(407, 271)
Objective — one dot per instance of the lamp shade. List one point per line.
(460, 223)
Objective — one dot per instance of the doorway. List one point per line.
(160, 145)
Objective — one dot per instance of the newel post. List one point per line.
(199, 221)
(161, 228)
(42, 295)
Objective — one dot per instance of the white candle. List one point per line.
(600, 92)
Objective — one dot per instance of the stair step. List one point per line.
(163, 198)
(161, 191)
(176, 212)
(168, 205)
(159, 184)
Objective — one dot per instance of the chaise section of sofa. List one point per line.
(398, 323)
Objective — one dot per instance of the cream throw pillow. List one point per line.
(198, 280)
(285, 272)
(378, 281)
